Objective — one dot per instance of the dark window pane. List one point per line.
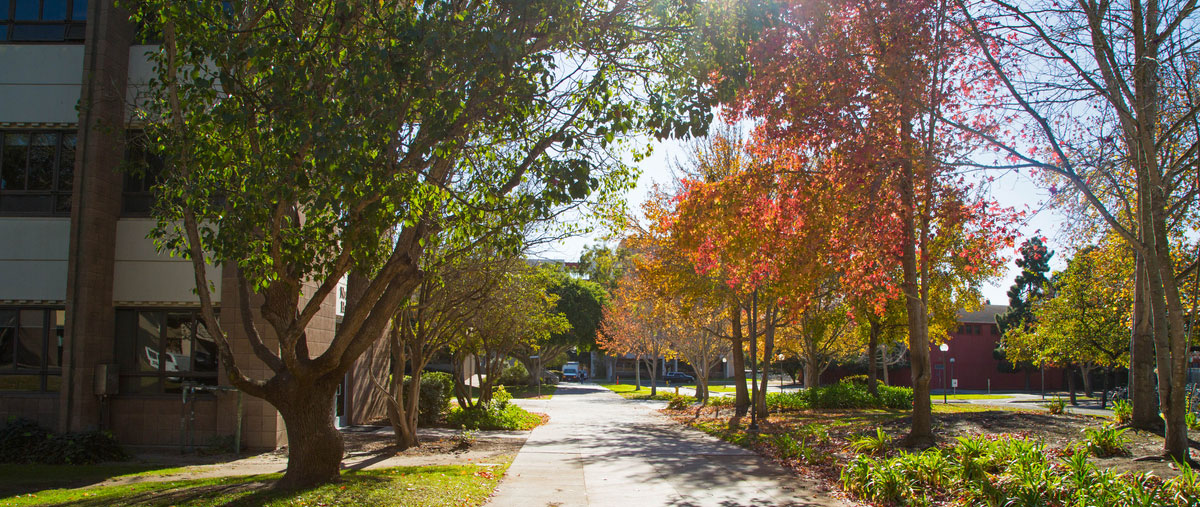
(54, 10)
(20, 383)
(3, 32)
(126, 350)
(8, 338)
(204, 358)
(62, 203)
(147, 344)
(178, 343)
(3, 10)
(27, 10)
(53, 383)
(66, 163)
(58, 322)
(16, 152)
(41, 161)
(31, 339)
(78, 10)
(76, 31)
(17, 203)
(136, 385)
(38, 32)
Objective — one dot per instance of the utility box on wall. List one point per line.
(106, 380)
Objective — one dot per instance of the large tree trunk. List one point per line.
(1085, 370)
(872, 364)
(921, 432)
(741, 396)
(1141, 356)
(1071, 384)
(314, 444)
(653, 365)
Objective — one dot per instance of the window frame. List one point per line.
(55, 193)
(44, 371)
(161, 374)
(73, 30)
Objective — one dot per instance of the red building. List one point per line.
(969, 358)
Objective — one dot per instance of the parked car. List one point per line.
(678, 377)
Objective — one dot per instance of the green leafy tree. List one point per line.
(303, 140)
(581, 302)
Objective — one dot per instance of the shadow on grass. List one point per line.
(28, 478)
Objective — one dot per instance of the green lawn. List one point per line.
(629, 391)
(19, 479)
(457, 485)
(972, 396)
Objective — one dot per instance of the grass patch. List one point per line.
(526, 392)
(21, 479)
(630, 392)
(457, 485)
(972, 396)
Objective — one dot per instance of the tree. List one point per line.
(304, 140)
(875, 75)
(694, 334)
(447, 300)
(581, 302)
(1027, 288)
(518, 313)
(1105, 94)
(1084, 317)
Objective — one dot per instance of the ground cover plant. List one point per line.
(456, 485)
(834, 446)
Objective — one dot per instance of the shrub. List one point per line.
(858, 380)
(1193, 422)
(1105, 442)
(23, 441)
(1122, 412)
(841, 395)
(896, 398)
(434, 398)
(872, 444)
(498, 414)
(515, 375)
(1057, 406)
(679, 402)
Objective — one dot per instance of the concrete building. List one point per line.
(98, 329)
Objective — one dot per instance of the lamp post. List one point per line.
(953, 381)
(944, 348)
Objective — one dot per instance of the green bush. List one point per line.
(1057, 406)
(1007, 471)
(679, 401)
(23, 441)
(1193, 422)
(842, 395)
(515, 375)
(435, 394)
(858, 380)
(498, 414)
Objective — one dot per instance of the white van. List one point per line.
(571, 371)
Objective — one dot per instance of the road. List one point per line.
(602, 450)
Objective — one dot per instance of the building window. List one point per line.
(36, 171)
(42, 20)
(31, 345)
(159, 350)
(142, 170)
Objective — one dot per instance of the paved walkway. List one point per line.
(602, 450)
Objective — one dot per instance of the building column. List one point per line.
(95, 208)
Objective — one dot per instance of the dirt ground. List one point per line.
(830, 432)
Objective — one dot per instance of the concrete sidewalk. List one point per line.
(602, 450)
